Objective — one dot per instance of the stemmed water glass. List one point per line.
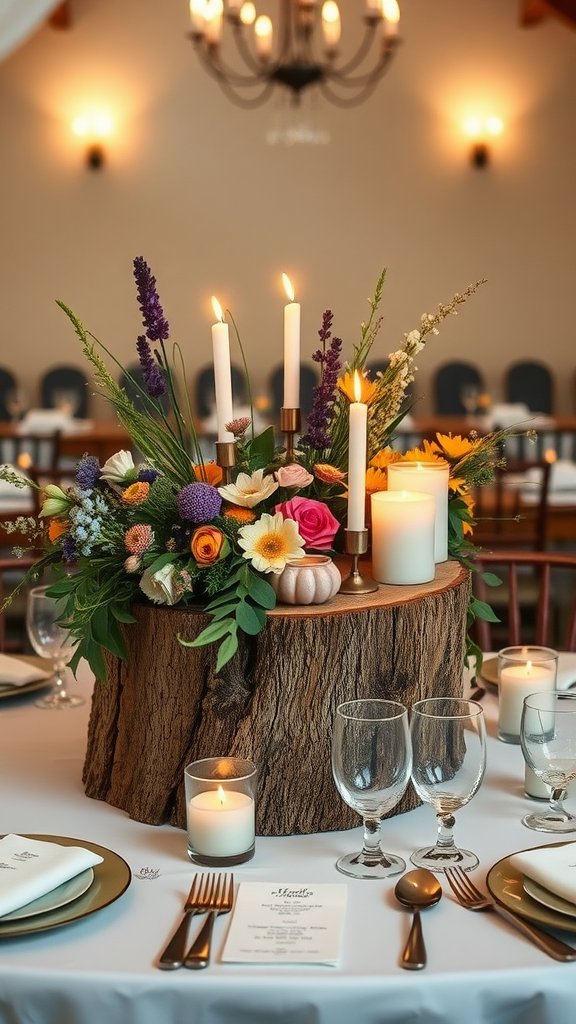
(469, 394)
(16, 401)
(371, 761)
(449, 758)
(548, 738)
(51, 640)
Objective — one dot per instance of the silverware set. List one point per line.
(209, 894)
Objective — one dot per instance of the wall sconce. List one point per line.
(480, 129)
(94, 128)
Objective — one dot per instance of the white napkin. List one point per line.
(554, 867)
(43, 421)
(509, 414)
(29, 868)
(16, 672)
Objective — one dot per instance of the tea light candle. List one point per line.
(432, 478)
(221, 822)
(403, 537)
(516, 680)
(222, 374)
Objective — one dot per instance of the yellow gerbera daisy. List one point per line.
(384, 458)
(271, 542)
(376, 480)
(429, 452)
(368, 387)
(328, 474)
(454, 447)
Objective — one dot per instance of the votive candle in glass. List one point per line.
(220, 810)
(521, 671)
(432, 478)
(403, 537)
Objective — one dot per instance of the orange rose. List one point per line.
(57, 527)
(206, 544)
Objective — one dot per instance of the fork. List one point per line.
(199, 899)
(198, 955)
(470, 897)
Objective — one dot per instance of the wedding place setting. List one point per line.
(259, 756)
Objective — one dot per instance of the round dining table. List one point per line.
(102, 967)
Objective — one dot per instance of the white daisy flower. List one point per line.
(271, 542)
(249, 489)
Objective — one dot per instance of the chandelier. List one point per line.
(299, 50)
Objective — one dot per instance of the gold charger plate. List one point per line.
(506, 883)
(111, 879)
(8, 690)
(489, 671)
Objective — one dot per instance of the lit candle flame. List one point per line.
(357, 386)
(221, 795)
(288, 287)
(217, 309)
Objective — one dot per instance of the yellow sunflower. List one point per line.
(376, 480)
(383, 458)
(367, 387)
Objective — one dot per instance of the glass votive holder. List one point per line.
(220, 810)
(521, 671)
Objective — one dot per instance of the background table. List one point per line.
(102, 968)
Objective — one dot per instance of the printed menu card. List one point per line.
(286, 923)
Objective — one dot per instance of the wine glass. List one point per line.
(51, 640)
(449, 758)
(469, 395)
(16, 402)
(371, 760)
(66, 400)
(548, 738)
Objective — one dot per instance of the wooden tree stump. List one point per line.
(274, 703)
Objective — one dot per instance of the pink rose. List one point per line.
(316, 524)
(293, 475)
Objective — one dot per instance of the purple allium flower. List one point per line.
(68, 549)
(151, 373)
(324, 395)
(156, 325)
(148, 476)
(198, 503)
(88, 472)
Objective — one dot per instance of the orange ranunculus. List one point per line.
(136, 493)
(208, 472)
(57, 527)
(206, 544)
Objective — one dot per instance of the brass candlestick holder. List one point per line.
(290, 426)
(226, 459)
(356, 545)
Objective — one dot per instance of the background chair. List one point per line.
(7, 384)
(530, 382)
(65, 387)
(308, 381)
(13, 636)
(551, 621)
(512, 512)
(449, 383)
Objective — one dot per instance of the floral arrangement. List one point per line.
(169, 530)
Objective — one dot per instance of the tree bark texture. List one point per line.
(274, 703)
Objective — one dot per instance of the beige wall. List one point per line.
(192, 185)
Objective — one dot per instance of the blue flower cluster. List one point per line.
(86, 522)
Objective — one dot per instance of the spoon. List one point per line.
(416, 889)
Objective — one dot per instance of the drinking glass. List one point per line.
(449, 758)
(469, 394)
(51, 640)
(16, 402)
(548, 738)
(371, 760)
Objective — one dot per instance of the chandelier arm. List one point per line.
(247, 56)
(224, 74)
(359, 81)
(361, 53)
(247, 103)
(347, 101)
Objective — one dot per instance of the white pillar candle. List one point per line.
(358, 421)
(515, 682)
(222, 374)
(221, 823)
(432, 478)
(291, 349)
(403, 537)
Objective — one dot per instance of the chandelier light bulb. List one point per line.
(331, 27)
(263, 33)
(213, 11)
(494, 125)
(248, 13)
(197, 16)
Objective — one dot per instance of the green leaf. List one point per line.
(481, 610)
(261, 592)
(226, 650)
(121, 613)
(248, 619)
(260, 450)
(224, 610)
(213, 632)
(162, 560)
(490, 579)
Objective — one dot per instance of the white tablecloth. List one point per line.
(100, 970)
